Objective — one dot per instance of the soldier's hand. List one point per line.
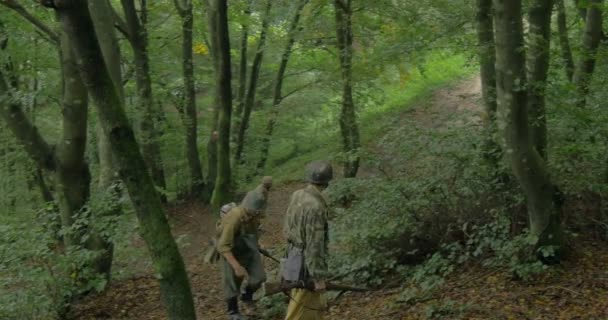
(320, 285)
(240, 272)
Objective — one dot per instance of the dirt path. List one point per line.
(474, 294)
(139, 298)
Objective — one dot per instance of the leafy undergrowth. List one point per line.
(475, 276)
(576, 289)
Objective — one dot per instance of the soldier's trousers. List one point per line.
(252, 262)
(305, 305)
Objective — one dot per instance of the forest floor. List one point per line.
(576, 289)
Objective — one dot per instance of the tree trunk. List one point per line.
(278, 86)
(487, 60)
(539, 35)
(528, 166)
(72, 174)
(222, 192)
(242, 89)
(154, 228)
(103, 16)
(252, 86)
(591, 41)
(213, 134)
(149, 136)
(197, 183)
(348, 115)
(564, 40)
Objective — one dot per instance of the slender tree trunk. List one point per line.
(213, 134)
(242, 89)
(154, 228)
(539, 34)
(149, 135)
(591, 41)
(103, 20)
(278, 86)
(72, 174)
(528, 166)
(564, 40)
(348, 115)
(487, 61)
(222, 192)
(256, 66)
(45, 191)
(197, 184)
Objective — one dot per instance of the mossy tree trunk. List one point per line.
(539, 39)
(213, 134)
(149, 135)
(278, 85)
(591, 41)
(222, 192)
(154, 228)
(487, 61)
(252, 85)
(526, 162)
(197, 183)
(564, 39)
(348, 116)
(242, 86)
(102, 15)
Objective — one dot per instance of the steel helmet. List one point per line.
(319, 172)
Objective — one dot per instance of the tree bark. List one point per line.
(487, 61)
(149, 135)
(102, 15)
(197, 183)
(242, 89)
(222, 192)
(539, 37)
(564, 40)
(256, 66)
(527, 164)
(348, 116)
(591, 41)
(278, 86)
(154, 228)
(213, 134)
(72, 174)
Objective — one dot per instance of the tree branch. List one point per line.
(19, 9)
(25, 132)
(121, 25)
(16, 120)
(297, 89)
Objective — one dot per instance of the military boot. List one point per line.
(248, 303)
(233, 310)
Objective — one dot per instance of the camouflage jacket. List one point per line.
(232, 227)
(306, 227)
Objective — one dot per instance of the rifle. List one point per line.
(267, 254)
(272, 288)
(212, 256)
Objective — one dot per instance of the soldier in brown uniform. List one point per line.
(238, 245)
(306, 231)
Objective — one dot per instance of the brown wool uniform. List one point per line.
(306, 228)
(238, 233)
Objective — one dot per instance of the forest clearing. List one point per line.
(442, 159)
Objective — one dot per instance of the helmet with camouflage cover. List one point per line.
(319, 172)
(254, 201)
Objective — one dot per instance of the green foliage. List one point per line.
(274, 306)
(40, 276)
